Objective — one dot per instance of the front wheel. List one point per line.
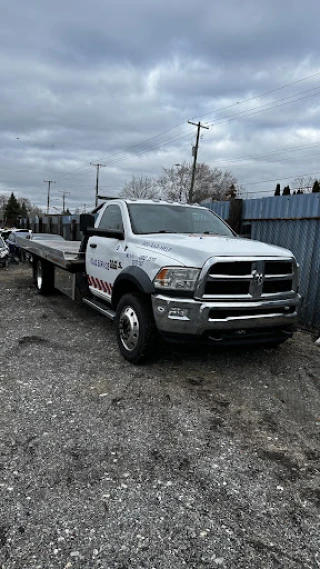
(136, 331)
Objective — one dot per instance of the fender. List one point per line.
(137, 277)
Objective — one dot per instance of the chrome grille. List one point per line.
(249, 279)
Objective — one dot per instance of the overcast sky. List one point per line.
(103, 81)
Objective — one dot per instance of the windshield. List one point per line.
(2, 244)
(166, 218)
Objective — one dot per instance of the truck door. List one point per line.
(105, 255)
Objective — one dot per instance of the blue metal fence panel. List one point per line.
(283, 207)
(302, 238)
(220, 208)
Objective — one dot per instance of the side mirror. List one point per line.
(86, 220)
(110, 233)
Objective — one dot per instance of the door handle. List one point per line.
(93, 245)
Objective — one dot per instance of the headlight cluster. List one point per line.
(177, 279)
(3, 253)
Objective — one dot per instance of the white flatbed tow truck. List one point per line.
(172, 270)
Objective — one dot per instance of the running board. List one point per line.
(100, 307)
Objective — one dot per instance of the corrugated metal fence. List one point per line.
(292, 222)
(65, 225)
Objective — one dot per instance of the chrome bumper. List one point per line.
(183, 316)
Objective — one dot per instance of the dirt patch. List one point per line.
(201, 459)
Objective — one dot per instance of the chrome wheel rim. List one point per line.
(39, 276)
(129, 328)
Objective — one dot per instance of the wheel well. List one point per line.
(122, 288)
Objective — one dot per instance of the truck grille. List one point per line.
(249, 279)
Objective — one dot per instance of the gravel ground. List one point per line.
(203, 459)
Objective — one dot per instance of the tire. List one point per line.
(44, 277)
(137, 335)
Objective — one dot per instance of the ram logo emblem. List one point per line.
(258, 277)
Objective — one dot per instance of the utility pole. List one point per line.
(97, 166)
(49, 182)
(195, 156)
(64, 194)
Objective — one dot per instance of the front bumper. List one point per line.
(195, 318)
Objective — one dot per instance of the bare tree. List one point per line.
(142, 188)
(26, 203)
(35, 211)
(174, 183)
(3, 204)
(299, 183)
(309, 183)
(221, 184)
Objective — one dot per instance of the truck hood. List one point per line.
(194, 250)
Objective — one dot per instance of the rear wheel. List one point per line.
(44, 276)
(137, 335)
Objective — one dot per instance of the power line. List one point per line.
(202, 115)
(187, 133)
(277, 151)
(279, 180)
(229, 119)
(261, 109)
(265, 93)
(234, 117)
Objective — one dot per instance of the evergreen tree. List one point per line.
(315, 187)
(13, 208)
(277, 190)
(232, 192)
(286, 191)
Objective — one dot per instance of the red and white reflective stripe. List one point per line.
(100, 285)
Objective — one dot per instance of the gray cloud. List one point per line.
(84, 82)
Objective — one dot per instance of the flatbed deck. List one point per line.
(63, 254)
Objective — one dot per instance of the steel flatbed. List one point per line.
(63, 254)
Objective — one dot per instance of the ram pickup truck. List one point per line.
(175, 271)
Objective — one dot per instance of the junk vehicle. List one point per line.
(4, 253)
(165, 269)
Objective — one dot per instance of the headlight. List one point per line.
(176, 278)
(3, 253)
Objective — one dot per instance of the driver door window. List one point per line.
(111, 218)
